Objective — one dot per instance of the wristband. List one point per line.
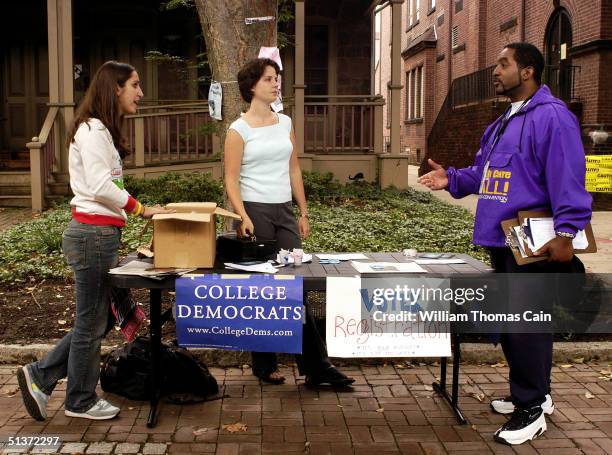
(567, 235)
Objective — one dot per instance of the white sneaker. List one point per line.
(102, 410)
(505, 405)
(523, 426)
(34, 399)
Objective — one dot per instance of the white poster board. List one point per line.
(350, 334)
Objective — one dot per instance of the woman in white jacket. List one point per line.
(90, 244)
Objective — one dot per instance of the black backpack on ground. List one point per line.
(126, 372)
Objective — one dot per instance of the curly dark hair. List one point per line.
(250, 73)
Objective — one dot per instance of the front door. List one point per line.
(559, 75)
(26, 92)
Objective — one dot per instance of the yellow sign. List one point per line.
(599, 173)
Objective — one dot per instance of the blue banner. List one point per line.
(247, 312)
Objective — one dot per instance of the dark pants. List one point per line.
(277, 222)
(529, 355)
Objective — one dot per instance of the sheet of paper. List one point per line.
(519, 241)
(265, 267)
(146, 269)
(343, 256)
(387, 267)
(543, 231)
(439, 261)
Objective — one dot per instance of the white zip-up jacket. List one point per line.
(96, 177)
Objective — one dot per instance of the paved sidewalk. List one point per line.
(600, 262)
(392, 409)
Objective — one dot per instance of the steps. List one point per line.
(14, 160)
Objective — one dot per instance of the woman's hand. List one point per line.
(156, 209)
(246, 228)
(304, 226)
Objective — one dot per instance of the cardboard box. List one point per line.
(187, 238)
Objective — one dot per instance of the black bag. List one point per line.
(231, 248)
(126, 372)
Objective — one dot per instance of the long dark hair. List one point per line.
(101, 102)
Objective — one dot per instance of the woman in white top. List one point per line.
(90, 244)
(262, 173)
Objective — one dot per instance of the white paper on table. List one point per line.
(264, 267)
(439, 261)
(387, 267)
(342, 256)
(543, 231)
(350, 331)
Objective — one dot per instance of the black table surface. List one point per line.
(314, 274)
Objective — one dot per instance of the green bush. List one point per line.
(175, 187)
(354, 217)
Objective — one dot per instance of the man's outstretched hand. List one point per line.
(436, 179)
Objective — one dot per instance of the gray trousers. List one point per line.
(277, 222)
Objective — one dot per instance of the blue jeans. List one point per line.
(91, 251)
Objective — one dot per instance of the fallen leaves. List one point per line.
(589, 395)
(201, 431)
(498, 365)
(235, 427)
(380, 410)
(606, 375)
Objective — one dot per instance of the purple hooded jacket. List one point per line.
(537, 163)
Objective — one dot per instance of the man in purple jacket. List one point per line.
(531, 158)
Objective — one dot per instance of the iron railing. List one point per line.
(562, 81)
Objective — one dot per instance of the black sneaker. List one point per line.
(524, 425)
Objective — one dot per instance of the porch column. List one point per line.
(395, 85)
(298, 86)
(61, 88)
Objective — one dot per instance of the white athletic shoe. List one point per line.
(102, 410)
(523, 426)
(505, 405)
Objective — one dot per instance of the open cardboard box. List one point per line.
(187, 238)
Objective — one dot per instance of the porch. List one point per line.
(336, 131)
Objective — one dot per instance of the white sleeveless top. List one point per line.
(264, 173)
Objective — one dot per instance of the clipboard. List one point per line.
(512, 240)
(588, 230)
(508, 228)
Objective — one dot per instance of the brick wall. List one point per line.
(457, 144)
(485, 26)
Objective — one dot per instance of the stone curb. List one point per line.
(473, 353)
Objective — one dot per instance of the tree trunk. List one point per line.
(230, 43)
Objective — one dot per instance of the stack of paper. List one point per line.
(146, 269)
(264, 267)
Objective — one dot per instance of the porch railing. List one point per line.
(475, 87)
(167, 134)
(42, 158)
(341, 123)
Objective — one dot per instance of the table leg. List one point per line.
(440, 387)
(155, 334)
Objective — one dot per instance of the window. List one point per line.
(458, 5)
(410, 14)
(414, 94)
(432, 4)
(417, 7)
(388, 106)
(455, 36)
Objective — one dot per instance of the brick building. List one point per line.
(449, 48)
